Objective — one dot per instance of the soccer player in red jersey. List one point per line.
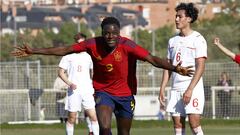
(233, 56)
(112, 56)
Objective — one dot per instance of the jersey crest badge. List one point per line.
(117, 56)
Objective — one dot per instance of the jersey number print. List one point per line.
(195, 102)
(178, 56)
(79, 68)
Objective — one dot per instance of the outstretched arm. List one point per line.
(223, 49)
(25, 50)
(163, 63)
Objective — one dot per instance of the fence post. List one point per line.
(213, 103)
(29, 107)
(28, 74)
(39, 87)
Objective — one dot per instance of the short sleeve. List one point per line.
(237, 58)
(79, 47)
(140, 52)
(201, 47)
(168, 50)
(63, 63)
(90, 63)
(135, 50)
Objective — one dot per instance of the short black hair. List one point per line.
(190, 10)
(110, 20)
(79, 35)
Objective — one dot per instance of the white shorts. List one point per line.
(177, 108)
(75, 99)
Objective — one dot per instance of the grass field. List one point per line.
(210, 127)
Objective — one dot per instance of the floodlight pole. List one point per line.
(14, 14)
(79, 25)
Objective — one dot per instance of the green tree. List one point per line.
(37, 41)
(7, 45)
(162, 35)
(224, 26)
(67, 32)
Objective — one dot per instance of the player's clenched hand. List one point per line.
(73, 86)
(22, 51)
(187, 96)
(186, 71)
(216, 41)
(161, 99)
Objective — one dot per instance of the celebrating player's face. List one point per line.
(111, 33)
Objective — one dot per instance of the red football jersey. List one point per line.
(132, 78)
(237, 58)
(115, 72)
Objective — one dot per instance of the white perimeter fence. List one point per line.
(27, 92)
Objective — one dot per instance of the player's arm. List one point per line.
(223, 49)
(200, 66)
(23, 51)
(165, 77)
(63, 76)
(163, 63)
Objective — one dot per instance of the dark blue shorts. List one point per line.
(122, 106)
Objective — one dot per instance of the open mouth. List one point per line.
(111, 42)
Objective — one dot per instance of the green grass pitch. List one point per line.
(210, 127)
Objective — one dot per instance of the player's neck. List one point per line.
(110, 49)
(186, 32)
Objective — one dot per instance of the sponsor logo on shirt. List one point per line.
(109, 67)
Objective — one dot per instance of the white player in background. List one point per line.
(80, 91)
(187, 93)
(60, 86)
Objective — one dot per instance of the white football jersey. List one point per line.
(186, 50)
(78, 67)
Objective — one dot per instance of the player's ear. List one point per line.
(189, 19)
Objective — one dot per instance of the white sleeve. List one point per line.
(63, 63)
(168, 50)
(91, 65)
(201, 47)
(89, 60)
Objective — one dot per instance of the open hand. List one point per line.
(186, 71)
(22, 51)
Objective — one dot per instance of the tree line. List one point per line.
(225, 26)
